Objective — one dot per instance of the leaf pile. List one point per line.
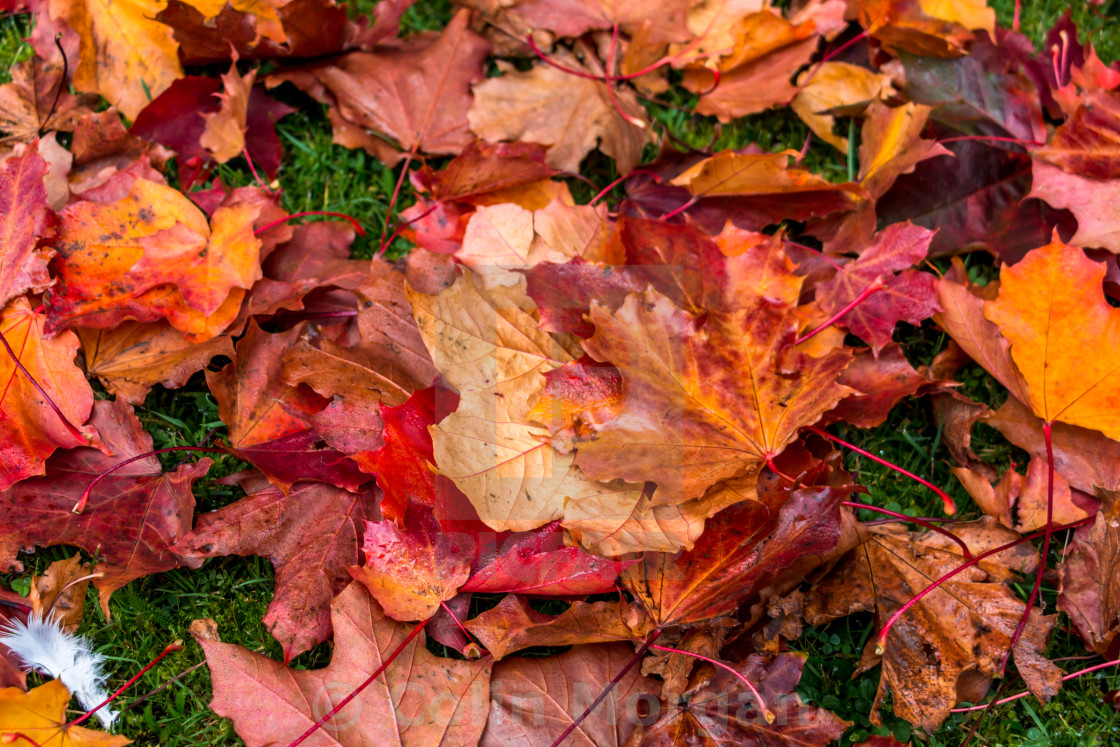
(626, 403)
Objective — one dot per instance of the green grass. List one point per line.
(318, 175)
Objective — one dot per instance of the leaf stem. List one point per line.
(913, 520)
(81, 504)
(174, 646)
(393, 200)
(10, 737)
(357, 226)
(42, 392)
(881, 644)
(606, 690)
(875, 285)
(1025, 693)
(1045, 547)
(767, 713)
(620, 180)
(950, 506)
(368, 681)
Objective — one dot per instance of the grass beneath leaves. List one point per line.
(317, 175)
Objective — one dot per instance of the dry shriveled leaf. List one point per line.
(718, 709)
(1063, 335)
(419, 700)
(41, 715)
(28, 106)
(891, 144)
(534, 700)
(53, 591)
(1090, 586)
(955, 633)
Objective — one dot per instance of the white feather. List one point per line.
(44, 646)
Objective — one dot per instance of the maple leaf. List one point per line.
(1088, 143)
(538, 563)
(908, 295)
(224, 132)
(411, 570)
(1085, 458)
(891, 145)
(834, 85)
(759, 82)
(28, 105)
(513, 625)
(420, 699)
(1089, 593)
(1088, 199)
(495, 360)
(534, 700)
(40, 714)
(31, 429)
(61, 592)
(934, 28)
(1051, 309)
(12, 609)
(539, 105)
(502, 239)
(132, 357)
(401, 100)
(310, 535)
(24, 219)
(965, 625)
(389, 362)
(265, 416)
(745, 549)
(881, 382)
(776, 190)
(962, 317)
(973, 95)
(726, 420)
(133, 515)
(981, 205)
(153, 255)
(172, 119)
(718, 708)
(308, 28)
(125, 55)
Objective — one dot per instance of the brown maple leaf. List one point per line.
(409, 98)
(718, 709)
(543, 105)
(310, 535)
(534, 700)
(954, 635)
(419, 700)
(133, 515)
